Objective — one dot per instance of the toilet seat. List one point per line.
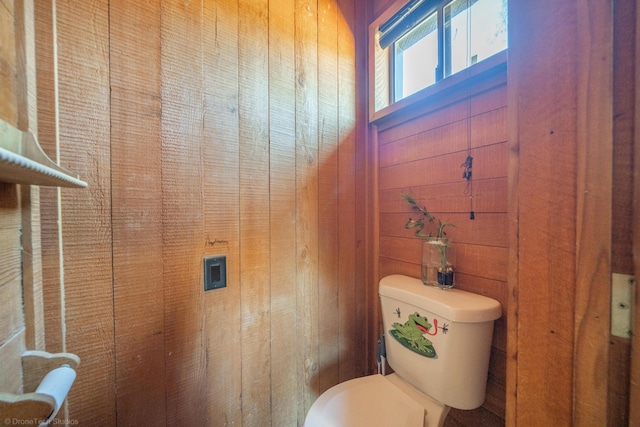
(364, 402)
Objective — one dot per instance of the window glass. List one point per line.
(416, 58)
(473, 30)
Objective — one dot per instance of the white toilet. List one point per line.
(438, 343)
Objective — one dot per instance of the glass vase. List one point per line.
(438, 263)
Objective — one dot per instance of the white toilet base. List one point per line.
(375, 401)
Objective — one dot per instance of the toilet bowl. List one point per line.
(375, 401)
(438, 343)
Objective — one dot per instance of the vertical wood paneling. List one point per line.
(561, 244)
(623, 132)
(347, 191)
(49, 207)
(634, 387)
(231, 133)
(513, 202)
(546, 159)
(8, 76)
(182, 210)
(26, 66)
(222, 220)
(32, 297)
(622, 241)
(365, 297)
(83, 39)
(202, 140)
(30, 195)
(12, 329)
(328, 236)
(137, 213)
(11, 372)
(253, 63)
(12, 319)
(306, 109)
(376, 269)
(593, 212)
(284, 373)
(379, 6)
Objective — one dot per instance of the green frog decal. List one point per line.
(411, 335)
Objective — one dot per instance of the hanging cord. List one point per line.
(468, 164)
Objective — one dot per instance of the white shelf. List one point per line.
(22, 161)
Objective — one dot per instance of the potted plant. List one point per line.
(438, 252)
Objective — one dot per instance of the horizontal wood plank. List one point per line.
(487, 229)
(485, 129)
(489, 195)
(481, 261)
(442, 117)
(493, 99)
(448, 138)
(488, 162)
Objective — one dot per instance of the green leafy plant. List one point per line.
(444, 272)
(419, 223)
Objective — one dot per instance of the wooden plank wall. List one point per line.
(205, 128)
(634, 389)
(87, 234)
(136, 226)
(282, 129)
(13, 206)
(8, 90)
(563, 388)
(622, 241)
(560, 212)
(53, 294)
(12, 327)
(422, 157)
(29, 195)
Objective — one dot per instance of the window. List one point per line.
(426, 41)
(473, 31)
(415, 58)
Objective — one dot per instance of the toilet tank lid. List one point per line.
(455, 305)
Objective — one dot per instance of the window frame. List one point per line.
(381, 79)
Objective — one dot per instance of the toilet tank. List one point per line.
(439, 340)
